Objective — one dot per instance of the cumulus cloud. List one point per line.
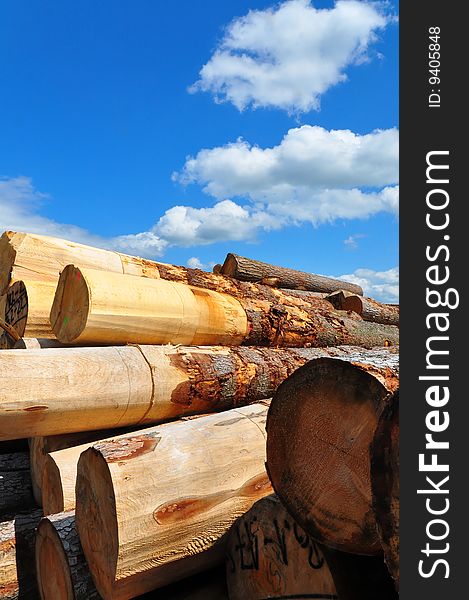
(195, 263)
(313, 175)
(289, 55)
(381, 285)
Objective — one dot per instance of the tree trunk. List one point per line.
(155, 507)
(28, 305)
(360, 577)
(322, 472)
(367, 308)
(270, 556)
(15, 491)
(93, 306)
(59, 390)
(17, 568)
(62, 570)
(247, 269)
(40, 257)
(384, 458)
(146, 311)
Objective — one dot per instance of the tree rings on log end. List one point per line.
(71, 305)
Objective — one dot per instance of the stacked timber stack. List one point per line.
(144, 389)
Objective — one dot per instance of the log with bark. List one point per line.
(367, 308)
(155, 507)
(247, 269)
(360, 577)
(14, 461)
(60, 390)
(384, 458)
(39, 257)
(62, 570)
(15, 483)
(321, 472)
(17, 566)
(95, 307)
(270, 556)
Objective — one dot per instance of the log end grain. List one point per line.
(53, 573)
(320, 425)
(71, 305)
(96, 521)
(52, 489)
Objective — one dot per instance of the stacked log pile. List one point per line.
(165, 405)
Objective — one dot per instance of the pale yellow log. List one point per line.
(155, 507)
(28, 306)
(40, 257)
(59, 390)
(31, 343)
(54, 391)
(98, 307)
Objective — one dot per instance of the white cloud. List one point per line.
(313, 175)
(381, 285)
(352, 241)
(195, 263)
(289, 55)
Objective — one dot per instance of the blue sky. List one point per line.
(186, 130)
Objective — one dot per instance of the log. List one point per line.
(149, 311)
(384, 458)
(270, 556)
(41, 446)
(28, 343)
(93, 306)
(322, 472)
(14, 461)
(155, 507)
(17, 567)
(15, 491)
(247, 269)
(62, 570)
(30, 256)
(28, 305)
(360, 577)
(60, 390)
(367, 308)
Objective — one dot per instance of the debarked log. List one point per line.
(270, 556)
(322, 472)
(247, 269)
(95, 307)
(155, 507)
(30, 256)
(54, 391)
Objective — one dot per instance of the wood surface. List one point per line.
(31, 256)
(368, 308)
(320, 425)
(247, 269)
(384, 459)
(17, 566)
(270, 556)
(155, 507)
(54, 391)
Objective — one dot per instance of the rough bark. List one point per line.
(58, 390)
(270, 556)
(322, 472)
(17, 567)
(154, 508)
(41, 258)
(367, 308)
(157, 312)
(247, 269)
(14, 461)
(15, 491)
(62, 570)
(384, 458)
(360, 577)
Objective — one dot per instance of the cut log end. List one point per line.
(322, 472)
(53, 572)
(96, 521)
(71, 305)
(52, 489)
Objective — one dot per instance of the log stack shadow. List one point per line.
(165, 405)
